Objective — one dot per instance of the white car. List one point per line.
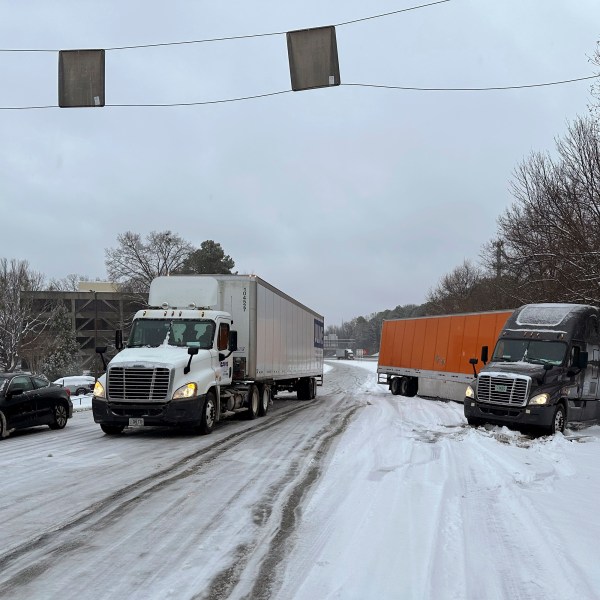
(77, 384)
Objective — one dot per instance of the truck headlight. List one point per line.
(99, 390)
(188, 390)
(470, 392)
(540, 399)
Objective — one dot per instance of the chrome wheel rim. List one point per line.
(61, 415)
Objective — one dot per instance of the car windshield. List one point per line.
(197, 333)
(533, 351)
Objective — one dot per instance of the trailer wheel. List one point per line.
(265, 400)
(253, 402)
(303, 388)
(404, 386)
(413, 386)
(313, 388)
(396, 385)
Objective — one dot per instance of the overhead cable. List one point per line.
(229, 38)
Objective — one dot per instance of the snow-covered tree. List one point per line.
(18, 316)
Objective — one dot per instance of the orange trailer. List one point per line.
(430, 355)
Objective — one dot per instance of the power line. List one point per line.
(367, 85)
(229, 38)
(471, 89)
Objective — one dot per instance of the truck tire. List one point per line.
(209, 412)
(112, 429)
(265, 400)
(559, 420)
(404, 386)
(253, 403)
(395, 386)
(413, 386)
(303, 388)
(313, 388)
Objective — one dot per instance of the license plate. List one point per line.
(501, 388)
(136, 422)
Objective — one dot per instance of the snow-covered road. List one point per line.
(357, 495)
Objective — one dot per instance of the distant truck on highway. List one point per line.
(432, 356)
(344, 353)
(209, 346)
(544, 371)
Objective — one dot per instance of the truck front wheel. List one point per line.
(209, 412)
(112, 429)
(559, 420)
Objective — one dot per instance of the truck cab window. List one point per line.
(223, 340)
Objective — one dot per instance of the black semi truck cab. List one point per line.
(543, 372)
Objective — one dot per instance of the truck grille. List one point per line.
(138, 383)
(513, 390)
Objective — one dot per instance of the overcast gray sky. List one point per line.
(351, 199)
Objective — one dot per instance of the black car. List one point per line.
(28, 400)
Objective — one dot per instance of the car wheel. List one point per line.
(3, 426)
(112, 429)
(559, 420)
(60, 416)
(81, 391)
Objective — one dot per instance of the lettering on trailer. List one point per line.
(244, 299)
(319, 333)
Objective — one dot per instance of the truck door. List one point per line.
(223, 368)
(591, 393)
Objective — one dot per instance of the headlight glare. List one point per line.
(99, 390)
(540, 399)
(470, 392)
(189, 390)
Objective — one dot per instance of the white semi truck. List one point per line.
(209, 346)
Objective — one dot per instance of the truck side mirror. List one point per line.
(101, 350)
(484, 354)
(582, 360)
(119, 339)
(192, 351)
(232, 341)
(473, 361)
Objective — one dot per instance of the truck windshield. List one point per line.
(533, 351)
(197, 333)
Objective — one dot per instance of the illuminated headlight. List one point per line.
(470, 392)
(540, 399)
(188, 390)
(99, 390)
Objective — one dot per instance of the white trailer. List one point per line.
(209, 346)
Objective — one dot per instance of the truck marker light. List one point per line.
(527, 411)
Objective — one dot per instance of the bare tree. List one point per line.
(135, 262)
(455, 291)
(19, 318)
(551, 232)
(595, 88)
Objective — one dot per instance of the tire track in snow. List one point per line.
(33, 557)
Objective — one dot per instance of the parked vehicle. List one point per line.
(209, 346)
(431, 355)
(344, 353)
(544, 370)
(27, 400)
(77, 384)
